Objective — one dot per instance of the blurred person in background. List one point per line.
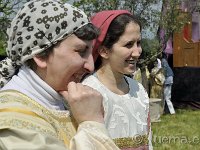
(168, 83)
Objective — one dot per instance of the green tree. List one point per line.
(170, 19)
(146, 11)
(8, 9)
(150, 17)
(140, 8)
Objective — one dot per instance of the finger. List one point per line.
(65, 94)
(72, 88)
(84, 87)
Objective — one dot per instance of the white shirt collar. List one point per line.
(29, 83)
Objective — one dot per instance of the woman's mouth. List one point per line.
(133, 62)
(78, 77)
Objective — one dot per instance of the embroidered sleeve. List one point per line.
(92, 135)
(29, 130)
(28, 139)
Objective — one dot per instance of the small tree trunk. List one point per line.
(145, 78)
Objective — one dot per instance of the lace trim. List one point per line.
(60, 121)
(21, 124)
(131, 142)
(61, 116)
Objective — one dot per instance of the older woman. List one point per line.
(49, 50)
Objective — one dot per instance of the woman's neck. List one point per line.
(114, 81)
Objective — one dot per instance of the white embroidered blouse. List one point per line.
(125, 115)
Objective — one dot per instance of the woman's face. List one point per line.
(70, 60)
(125, 52)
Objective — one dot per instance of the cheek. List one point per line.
(65, 68)
(74, 66)
(124, 56)
(68, 70)
(70, 62)
(122, 53)
(76, 63)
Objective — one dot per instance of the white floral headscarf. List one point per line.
(38, 25)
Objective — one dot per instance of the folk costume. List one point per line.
(32, 114)
(126, 116)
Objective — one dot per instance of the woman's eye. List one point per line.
(82, 53)
(138, 43)
(129, 45)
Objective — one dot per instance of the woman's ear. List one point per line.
(104, 52)
(41, 62)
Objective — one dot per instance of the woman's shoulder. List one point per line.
(91, 80)
(133, 83)
(16, 109)
(138, 90)
(14, 97)
(21, 109)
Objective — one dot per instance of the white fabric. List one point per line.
(29, 83)
(33, 86)
(167, 98)
(38, 25)
(125, 115)
(159, 63)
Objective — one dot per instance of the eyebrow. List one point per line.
(128, 41)
(82, 46)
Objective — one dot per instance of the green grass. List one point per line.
(177, 132)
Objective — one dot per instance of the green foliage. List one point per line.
(2, 47)
(140, 8)
(149, 16)
(8, 9)
(150, 50)
(145, 10)
(93, 6)
(170, 20)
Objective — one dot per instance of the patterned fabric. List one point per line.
(15, 105)
(32, 126)
(133, 143)
(38, 25)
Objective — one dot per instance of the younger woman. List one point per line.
(126, 103)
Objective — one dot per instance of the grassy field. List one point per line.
(177, 132)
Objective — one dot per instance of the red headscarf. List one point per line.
(102, 20)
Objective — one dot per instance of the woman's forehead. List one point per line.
(131, 33)
(74, 41)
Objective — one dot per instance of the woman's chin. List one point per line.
(130, 71)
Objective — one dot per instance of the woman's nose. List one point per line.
(89, 64)
(136, 51)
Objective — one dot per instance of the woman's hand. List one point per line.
(85, 103)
